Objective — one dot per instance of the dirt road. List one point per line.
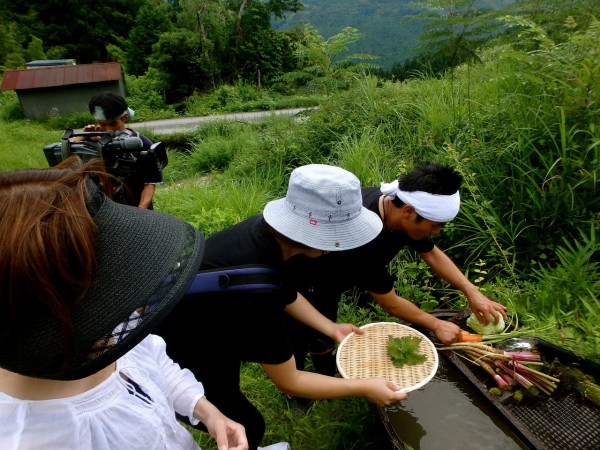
(186, 124)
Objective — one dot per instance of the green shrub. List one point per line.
(145, 97)
(198, 105)
(10, 107)
(177, 142)
(214, 154)
(73, 120)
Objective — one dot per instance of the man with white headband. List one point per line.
(112, 113)
(412, 209)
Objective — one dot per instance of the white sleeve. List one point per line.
(184, 389)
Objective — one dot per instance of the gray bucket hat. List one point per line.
(323, 210)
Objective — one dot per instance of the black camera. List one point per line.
(121, 154)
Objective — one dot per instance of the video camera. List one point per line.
(121, 154)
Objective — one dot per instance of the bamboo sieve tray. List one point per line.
(365, 356)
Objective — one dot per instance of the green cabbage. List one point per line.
(480, 328)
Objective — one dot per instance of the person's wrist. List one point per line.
(437, 325)
(200, 412)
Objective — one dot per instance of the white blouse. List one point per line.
(113, 415)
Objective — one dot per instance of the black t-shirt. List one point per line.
(365, 267)
(248, 242)
(239, 326)
(137, 173)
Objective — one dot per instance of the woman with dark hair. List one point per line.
(79, 368)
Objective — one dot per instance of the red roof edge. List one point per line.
(55, 76)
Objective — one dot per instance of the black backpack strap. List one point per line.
(235, 278)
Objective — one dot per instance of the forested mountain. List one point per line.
(385, 30)
(379, 21)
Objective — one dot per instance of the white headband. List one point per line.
(434, 207)
(99, 113)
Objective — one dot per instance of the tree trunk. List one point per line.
(239, 17)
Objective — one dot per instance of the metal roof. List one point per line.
(53, 76)
(50, 62)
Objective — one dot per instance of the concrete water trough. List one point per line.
(456, 411)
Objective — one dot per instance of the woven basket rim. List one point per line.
(365, 356)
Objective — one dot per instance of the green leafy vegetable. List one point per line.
(480, 328)
(518, 396)
(405, 350)
(495, 391)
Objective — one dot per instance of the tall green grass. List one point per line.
(525, 140)
(212, 203)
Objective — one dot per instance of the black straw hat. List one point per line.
(146, 261)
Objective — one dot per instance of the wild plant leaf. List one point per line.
(405, 350)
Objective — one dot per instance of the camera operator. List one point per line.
(111, 113)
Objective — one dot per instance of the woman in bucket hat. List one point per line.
(83, 281)
(322, 212)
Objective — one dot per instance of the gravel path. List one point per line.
(186, 124)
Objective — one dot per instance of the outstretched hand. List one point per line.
(485, 308)
(341, 330)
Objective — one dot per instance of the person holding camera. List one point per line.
(112, 113)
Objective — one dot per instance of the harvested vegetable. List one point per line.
(405, 350)
(507, 368)
(465, 336)
(518, 396)
(495, 391)
(509, 329)
(480, 328)
(590, 390)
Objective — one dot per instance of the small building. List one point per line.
(59, 89)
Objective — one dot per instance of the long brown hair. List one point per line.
(47, 241)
